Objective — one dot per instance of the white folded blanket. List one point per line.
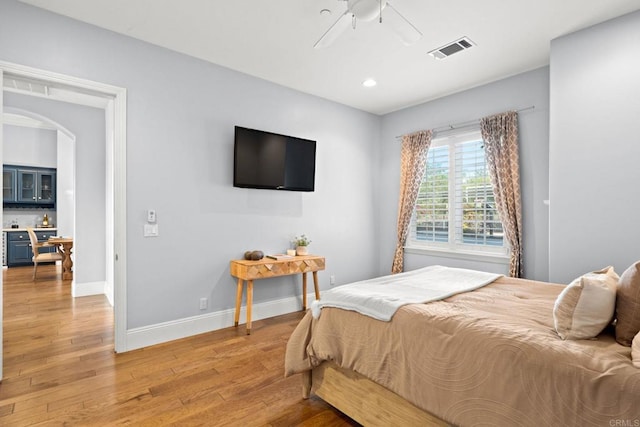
(381, 297)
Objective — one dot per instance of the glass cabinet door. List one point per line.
(46, 186)
(27, 186)
(9, 185)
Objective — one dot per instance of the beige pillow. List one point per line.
(635, 351)
(628, 305)
(586, 306)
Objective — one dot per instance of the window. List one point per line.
(456, 209)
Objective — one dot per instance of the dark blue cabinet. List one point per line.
(19, 246)
(25, 186)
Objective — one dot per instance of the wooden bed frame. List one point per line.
(363, 400)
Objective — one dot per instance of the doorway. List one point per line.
(115, 120)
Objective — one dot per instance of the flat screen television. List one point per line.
(272, 161)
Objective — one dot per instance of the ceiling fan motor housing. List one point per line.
(366, 10)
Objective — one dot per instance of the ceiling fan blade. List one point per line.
(400, 25)
(334, 31)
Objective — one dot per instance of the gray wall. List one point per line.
(180, 117)
(595, 148)
(88, 125)
(29, 146)
(513, 93)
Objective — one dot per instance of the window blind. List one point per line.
(431, 216)
(476, 217)
(456, 206)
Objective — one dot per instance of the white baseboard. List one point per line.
(168, 331)
(108, 292)
(86, 289)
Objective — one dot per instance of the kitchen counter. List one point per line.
(25, 229)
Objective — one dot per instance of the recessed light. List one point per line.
(369, 83)
(325, 12)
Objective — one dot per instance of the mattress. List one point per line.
(490, 356)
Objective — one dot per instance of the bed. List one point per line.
(490, 356)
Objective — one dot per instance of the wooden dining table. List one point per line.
(65, 245)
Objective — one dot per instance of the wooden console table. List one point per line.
(266, 268)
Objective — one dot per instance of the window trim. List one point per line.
(451, 249)
(488, 257)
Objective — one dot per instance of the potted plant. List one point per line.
(301, 242)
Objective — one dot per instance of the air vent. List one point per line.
(451, 48)
(25, 85)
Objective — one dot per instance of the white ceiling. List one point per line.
(273, 40)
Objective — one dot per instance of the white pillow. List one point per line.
(628, 305)
(586, 306)
(635, 351)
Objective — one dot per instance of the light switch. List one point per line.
(150, 230)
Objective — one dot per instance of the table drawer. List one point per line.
(250, 270)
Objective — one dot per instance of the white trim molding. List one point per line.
(87, 289)
(116, 114)
(489, 257)
(168, 331)
(20, 117)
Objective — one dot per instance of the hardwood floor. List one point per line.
(60, 368)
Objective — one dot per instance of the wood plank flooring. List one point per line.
(60, 368)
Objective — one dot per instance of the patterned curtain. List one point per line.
(500, 135)
(412, 164)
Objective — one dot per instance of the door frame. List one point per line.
(116, 142)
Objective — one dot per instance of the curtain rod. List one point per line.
(462, 125)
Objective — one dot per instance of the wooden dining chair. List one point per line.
(41, 256)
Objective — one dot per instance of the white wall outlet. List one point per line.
(151, 215)
(332, 280)
(203, 303)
